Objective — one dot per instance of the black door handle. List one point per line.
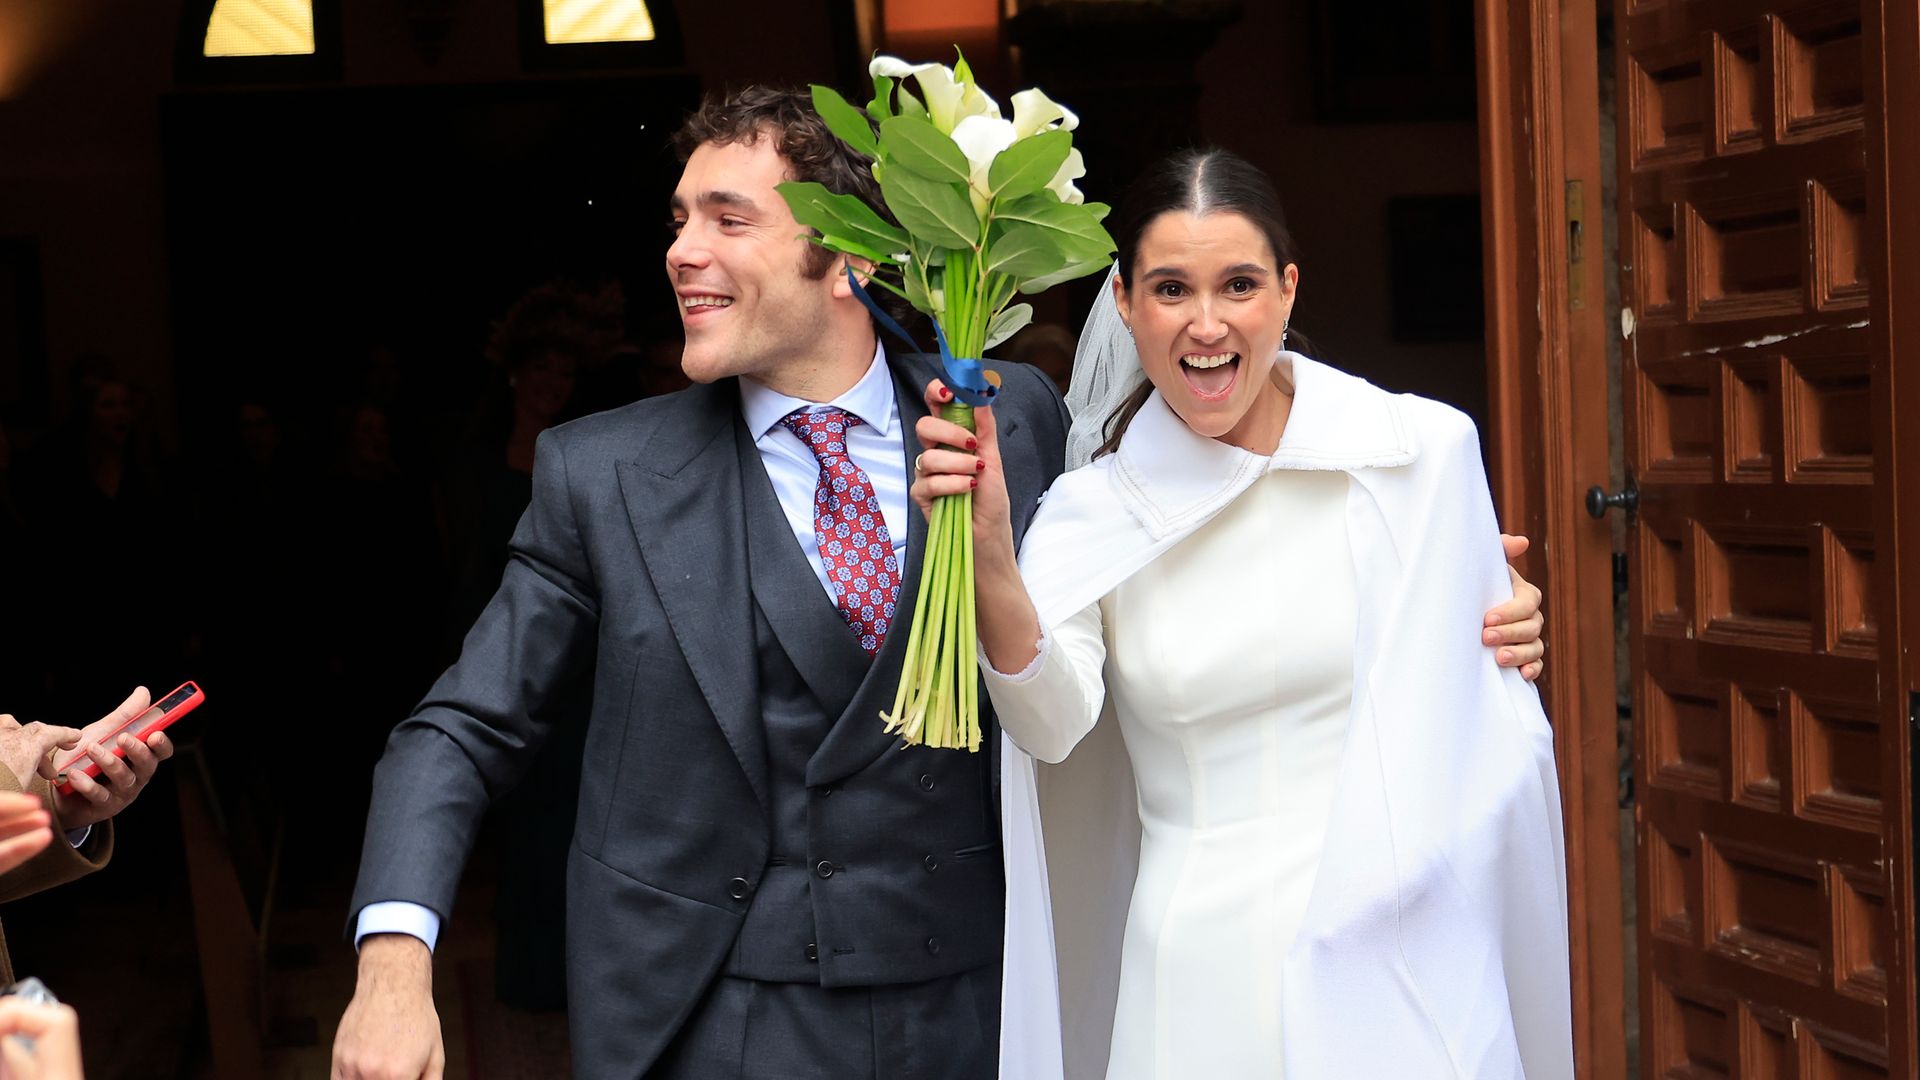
(1599, 502)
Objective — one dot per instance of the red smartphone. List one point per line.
(158, 717)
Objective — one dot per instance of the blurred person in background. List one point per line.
(1047, 346)
(543, 350)
(96, 508)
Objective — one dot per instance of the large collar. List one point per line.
(1170, 478)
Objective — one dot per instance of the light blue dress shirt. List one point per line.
(873, 445)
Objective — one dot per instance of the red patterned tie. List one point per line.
(848, 527)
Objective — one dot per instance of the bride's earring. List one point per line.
(1283, 332)
(1129, 330)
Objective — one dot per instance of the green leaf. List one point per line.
(962, 74)
(917, 294)
(845, 121)
(875, 279)
(881, 107)
(910, 105)
(913, 143)
(935, 213)
(1044, 282)
(1022, 250)
(1099, 210)
(1008, 323)
(842, 215)
(853, 247)
(1028, 165)
(1077, 228)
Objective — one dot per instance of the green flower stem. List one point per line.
(926, 663)
(940, 714)
(938, 701)
(969, 676)
(965, 681)
(898, 719)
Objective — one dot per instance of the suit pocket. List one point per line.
(977, 850)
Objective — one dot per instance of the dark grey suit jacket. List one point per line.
(631, 567)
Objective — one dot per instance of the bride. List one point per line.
(1334, 819)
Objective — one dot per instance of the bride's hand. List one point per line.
(957, 460)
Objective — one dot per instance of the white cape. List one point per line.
(1435, 940)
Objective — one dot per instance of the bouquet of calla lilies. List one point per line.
(987, 209)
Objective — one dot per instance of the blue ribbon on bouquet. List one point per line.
(965, 376)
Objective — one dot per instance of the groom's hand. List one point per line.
(1514, 627)
(390, 1030)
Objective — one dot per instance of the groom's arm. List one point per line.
(470, 740)
(475, 733)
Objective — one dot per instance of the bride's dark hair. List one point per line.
(1199, 182)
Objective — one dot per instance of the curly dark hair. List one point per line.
(747, 114)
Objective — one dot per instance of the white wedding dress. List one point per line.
(1229, 661)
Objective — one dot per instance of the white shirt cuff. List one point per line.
(76, 837)
(1025, 674)
(397, 917)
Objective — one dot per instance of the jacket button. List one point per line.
(933, 946)
(828, 790)
(926, 782)
(813, 953)
(739, 888)
(823, 868)
(932, 864)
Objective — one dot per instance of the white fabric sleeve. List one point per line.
(397, 917)
(1025, 673)
(1050, 706)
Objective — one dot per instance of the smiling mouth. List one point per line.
(703, 305)
(1211, 375)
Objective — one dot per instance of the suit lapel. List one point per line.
(684, 499)
(817, 640)
(859, 736)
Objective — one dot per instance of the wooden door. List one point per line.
(1764, 690)
(1547, 438)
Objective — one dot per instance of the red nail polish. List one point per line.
(973, 444)
(975, 482)
(946, 394)
(979, 466)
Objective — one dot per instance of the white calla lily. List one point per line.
(981, 138)
(892, 67)
(1071, 169)
(949, 101)
(1034, 112)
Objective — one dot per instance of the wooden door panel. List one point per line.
(1765, 933)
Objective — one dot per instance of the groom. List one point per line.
(761, 882)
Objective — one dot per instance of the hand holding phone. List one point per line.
(158, 717)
